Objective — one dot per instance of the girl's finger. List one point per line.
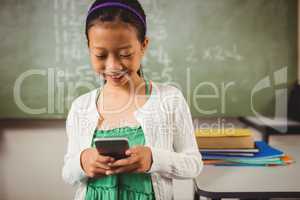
(133, 150)
(101, 165)
(123, 162)
(104, 159)
(99, 171)
(128, 168)
(96, 172)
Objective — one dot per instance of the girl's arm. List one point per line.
(72, 172)
(186, 161)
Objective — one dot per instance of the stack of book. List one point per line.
(236, 147)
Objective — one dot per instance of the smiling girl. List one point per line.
(154, 117)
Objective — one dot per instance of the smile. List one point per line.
(117, 76)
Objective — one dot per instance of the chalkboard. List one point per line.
(219, 53)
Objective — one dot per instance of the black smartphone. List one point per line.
(113, 147)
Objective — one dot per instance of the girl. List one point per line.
(154, 117)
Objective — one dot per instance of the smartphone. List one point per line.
(113, 147)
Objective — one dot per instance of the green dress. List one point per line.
(125, 186)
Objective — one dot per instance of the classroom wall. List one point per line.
(31, 157)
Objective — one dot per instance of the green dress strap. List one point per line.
(148, 87)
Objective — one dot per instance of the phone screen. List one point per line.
(115, 148)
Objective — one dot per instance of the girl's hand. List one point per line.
(139, 160)
(93, 164)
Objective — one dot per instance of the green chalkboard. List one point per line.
(229, 57)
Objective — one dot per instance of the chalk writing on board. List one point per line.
(68, 22)
(157, 52)
(161, 55)
(219, 53)
(191, 57)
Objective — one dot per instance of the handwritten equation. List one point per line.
(219, 53)
(69, 23)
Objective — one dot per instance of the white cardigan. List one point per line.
(167, 124)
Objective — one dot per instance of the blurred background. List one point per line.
(230, 58)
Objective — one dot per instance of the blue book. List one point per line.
(242, 165)
(265, 152)
(228, 154)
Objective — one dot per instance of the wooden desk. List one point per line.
(218, 182)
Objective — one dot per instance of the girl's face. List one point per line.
(115, 51)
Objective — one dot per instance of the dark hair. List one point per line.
(113, 13)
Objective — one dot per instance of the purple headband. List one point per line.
(121, 5)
